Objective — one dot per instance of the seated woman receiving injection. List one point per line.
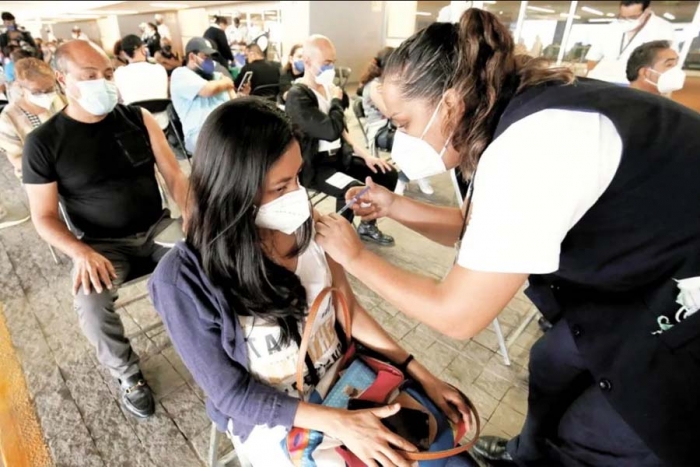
(234, 296)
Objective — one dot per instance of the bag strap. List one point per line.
(339, 302)
(434, 455)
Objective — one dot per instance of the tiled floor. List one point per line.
(77, 402)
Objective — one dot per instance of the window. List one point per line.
(543, 29)
(507, 12)
(428, 13)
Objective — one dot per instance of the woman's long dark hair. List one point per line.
(239, 143)
(477, 59)
(376, 66)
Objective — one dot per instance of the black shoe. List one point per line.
(544, 324)
(137, 396)
(493, 448)
(369, 231)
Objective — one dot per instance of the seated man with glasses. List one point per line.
(97, 158)
(37, 100)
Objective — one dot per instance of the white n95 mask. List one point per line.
(326, 76)
(415, 157)
(627, 25)
(286, 214)
(41, 100)
(670, 80)
(98, 96)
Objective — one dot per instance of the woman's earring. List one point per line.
(255, 209)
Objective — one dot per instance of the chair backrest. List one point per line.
(269, 91)
(176, 125)
(358, 109)
(154, 105)
(343, 74)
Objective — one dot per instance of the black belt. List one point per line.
(330, 153)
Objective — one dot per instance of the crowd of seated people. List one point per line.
(94, 195)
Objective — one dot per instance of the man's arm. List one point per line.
(304, 112)
(92, 269)
(214, 87)
(175, 179)
(187, 84)
(595, 54)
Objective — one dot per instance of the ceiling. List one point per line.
(681, 11)
(60, 11)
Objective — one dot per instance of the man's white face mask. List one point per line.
(627, 25)
(670, 80)
(415, 156)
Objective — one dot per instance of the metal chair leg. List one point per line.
(53, 254)
(501, 342)
(213, 459)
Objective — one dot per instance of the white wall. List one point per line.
(109, 32)
(400, 21)
(295, 25)
(356, 29)
(193, 23)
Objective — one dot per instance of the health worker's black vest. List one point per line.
(615, 284)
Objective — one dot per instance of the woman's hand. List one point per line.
(338, 239)
(374, 204)
(362, 432)
(448, 399)
(375, 164)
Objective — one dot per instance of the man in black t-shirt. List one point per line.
(98, 158)
(265, 73)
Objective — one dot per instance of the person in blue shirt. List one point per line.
(197, 89)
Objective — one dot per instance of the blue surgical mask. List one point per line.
(298, 66)
(207, 66)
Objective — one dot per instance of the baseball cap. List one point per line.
(200, 44)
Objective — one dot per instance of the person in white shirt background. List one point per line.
(78, 34)
(653, 67)
(141, 80)
(636, 24)
(163, 30)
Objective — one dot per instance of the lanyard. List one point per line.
(624, 47)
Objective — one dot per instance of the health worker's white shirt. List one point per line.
(613, 49)
(533, 184)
